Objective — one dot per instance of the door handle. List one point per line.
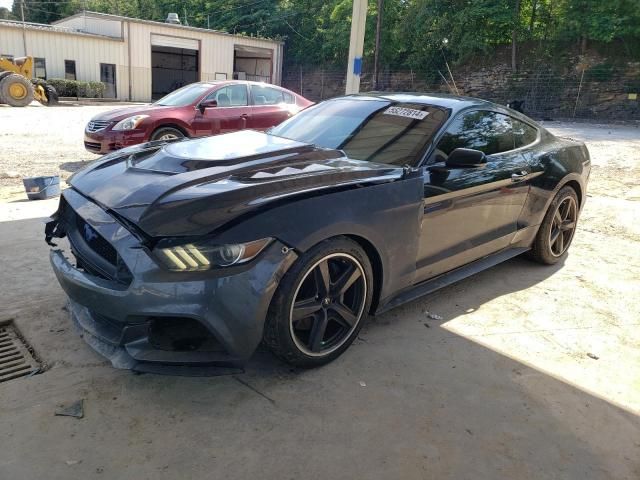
(244, 115)
(519, 176)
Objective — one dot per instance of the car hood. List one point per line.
(195, 187)
(122, 113)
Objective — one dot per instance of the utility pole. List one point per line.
(186, 22)
(208, 27)
(356, 46)
(376, 60)
(24, 29)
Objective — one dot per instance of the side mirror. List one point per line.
(465, 157)
(210, 103)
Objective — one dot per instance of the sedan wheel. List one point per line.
(319, 305)
(166, 134)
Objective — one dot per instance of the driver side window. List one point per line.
(489, 132)
(230, 96)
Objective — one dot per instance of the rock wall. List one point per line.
(580, 91)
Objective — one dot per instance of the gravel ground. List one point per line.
(42, 141)
(525, 372)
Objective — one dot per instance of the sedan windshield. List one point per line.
(184, 96)
(376, 130)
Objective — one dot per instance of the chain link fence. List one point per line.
(601, 92)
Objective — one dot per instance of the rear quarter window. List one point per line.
(523, 133)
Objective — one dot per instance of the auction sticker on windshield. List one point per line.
(406, 112)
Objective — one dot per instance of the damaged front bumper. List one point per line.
(145, 318)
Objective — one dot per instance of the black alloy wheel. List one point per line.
(319, 305)
(557, 228)
(563, 226)
(328, 303)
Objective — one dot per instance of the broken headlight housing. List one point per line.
(200, 256)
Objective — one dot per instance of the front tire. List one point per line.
(557, 229)
(16, 90)
(166, 133)
(320, 304)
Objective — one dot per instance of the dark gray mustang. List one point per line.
(184, 256)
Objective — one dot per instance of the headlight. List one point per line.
(130, 123)
(202, 256)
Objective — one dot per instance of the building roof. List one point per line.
(43, 27)
(108, 16)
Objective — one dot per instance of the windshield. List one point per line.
(376, 130)
(184, 96)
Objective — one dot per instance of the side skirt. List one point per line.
(441, 281)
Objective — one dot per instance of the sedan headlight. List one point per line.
(130, 123)
(203, 256)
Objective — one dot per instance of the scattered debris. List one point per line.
(427, 325)
(593, 355)
(362, 384)
(72, 462)
(433, 316)
(468, 431)
(75, 410)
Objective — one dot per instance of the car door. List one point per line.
(269, 106)
(471, 212)
(231, 113)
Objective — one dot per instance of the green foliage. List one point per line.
(75, 88)
(416, 34)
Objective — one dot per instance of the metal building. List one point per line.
(136, 59)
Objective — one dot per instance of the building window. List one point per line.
(40, 68)
(70, 69)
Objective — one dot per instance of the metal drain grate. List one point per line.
(15, 358)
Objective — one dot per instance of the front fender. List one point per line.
(387, 215)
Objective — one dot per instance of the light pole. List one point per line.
(356, 46)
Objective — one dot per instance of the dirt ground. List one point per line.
(532, 372)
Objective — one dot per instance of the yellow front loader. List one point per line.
(16, 87)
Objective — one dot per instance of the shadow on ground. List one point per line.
(405, 402)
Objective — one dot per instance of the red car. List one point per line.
(196, 110)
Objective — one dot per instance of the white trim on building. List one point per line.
(101, 44)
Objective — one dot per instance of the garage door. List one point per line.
(171, 68)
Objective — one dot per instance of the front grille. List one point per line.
(97, 125)
(92, 146)
(94, 254)
(96, 242)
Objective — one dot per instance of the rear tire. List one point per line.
(557, 229)
(320, 304)
(16, 90)
(166, 133)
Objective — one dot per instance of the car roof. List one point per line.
(232, 81)
(454, 102)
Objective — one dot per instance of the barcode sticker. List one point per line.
(406, 112)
